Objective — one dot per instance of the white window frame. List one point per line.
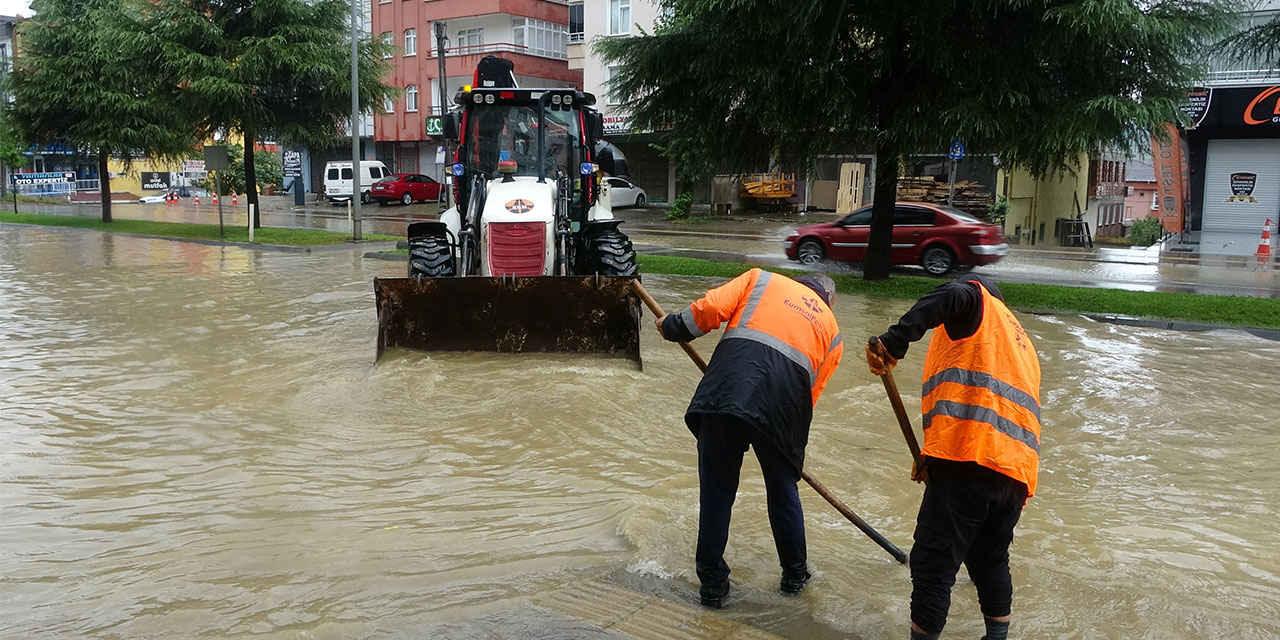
(389, 104)
(410, 42)
(619, 17)
(411, 98)
(389, 39)
(541, 38)
(609, 98)
(469, 38)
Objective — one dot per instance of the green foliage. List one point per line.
(1039, 82)
(266, 166)
(1257, 47)
(997, 211)
(268, 69)
(679, 208)
(231, 233)
(1037, 298)
(10, 146)
(1145, 232)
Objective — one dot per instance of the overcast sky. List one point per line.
(15, 7)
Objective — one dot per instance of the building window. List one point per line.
(619, 17)
(609, 97)
(390, 41)
(411, 98)
(411, 42)
(1155, 200)
(575, 23)
(388, 105)
(541, 38)
(470, 38)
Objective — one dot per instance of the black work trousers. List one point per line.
(967, 516)
(722, 441)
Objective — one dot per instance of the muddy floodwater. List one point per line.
(196, 442)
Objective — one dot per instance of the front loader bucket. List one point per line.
(572, 314)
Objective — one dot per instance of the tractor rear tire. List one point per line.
(430, 257)
(609, 253)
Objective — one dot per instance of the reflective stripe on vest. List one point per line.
(777, 344)
(980, 396)
(690, 323)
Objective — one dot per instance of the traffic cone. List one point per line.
(197, 197)
(1264, 243)
(215, 198)
(233, 197)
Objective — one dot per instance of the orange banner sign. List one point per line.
(1172, 184)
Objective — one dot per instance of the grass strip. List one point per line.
(265, 235)
(1241, 311)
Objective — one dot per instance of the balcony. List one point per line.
(502, 47)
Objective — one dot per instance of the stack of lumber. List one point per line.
(764, 186)
(969, 198)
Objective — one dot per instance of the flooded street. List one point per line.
(195, 442)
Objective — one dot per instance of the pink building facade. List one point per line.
(533, 34)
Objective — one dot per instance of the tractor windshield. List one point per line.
(509, 131)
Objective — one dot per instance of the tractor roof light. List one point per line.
(477, 98)
(556, 99)
(568, 100)
(488, 98)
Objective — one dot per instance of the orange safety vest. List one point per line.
(778, 312)
(981, 396)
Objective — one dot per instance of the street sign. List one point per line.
(435, 126)
(56, 177)
(957, 150)
(215, 158)
(292, 164)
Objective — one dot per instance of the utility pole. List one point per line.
(355, 119)
(442, 42)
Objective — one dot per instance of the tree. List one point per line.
(267, 69)
(1039, 81)
(83, 80)
(1256, 45)
(11, 155)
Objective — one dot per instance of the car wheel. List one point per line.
(810, 252)
(640, 201)
(407, 198)
(938, 260)
(365, 197)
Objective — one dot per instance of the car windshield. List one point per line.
(510, 132)
(962, 216)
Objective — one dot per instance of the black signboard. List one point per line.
(1197, 106)
(1251, 108)
(155, 180)
(1242, 185)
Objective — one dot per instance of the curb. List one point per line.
(1175, 325)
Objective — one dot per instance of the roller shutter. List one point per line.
(1232, 227)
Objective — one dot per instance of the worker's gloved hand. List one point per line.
(658, 323)
(878, 360)
(918, 471)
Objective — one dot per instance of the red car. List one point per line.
(407, 188)
(936, 237)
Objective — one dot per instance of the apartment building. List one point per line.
(533, 34)
(594, 19)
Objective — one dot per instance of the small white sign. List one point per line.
(440, 155)
(193, 166)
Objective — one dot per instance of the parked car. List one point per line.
(183, 192)
(407, 188)
(623, 193)
(936, 237)
(337, 179)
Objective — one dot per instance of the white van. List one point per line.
(337, 179)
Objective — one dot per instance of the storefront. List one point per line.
(1234, 150)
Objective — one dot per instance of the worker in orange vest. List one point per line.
(780, 347)
(981, 404)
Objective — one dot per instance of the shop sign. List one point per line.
(617, 125)
(1197, 105)
(155, 180)
(435, 126)
(55, 177)
(292, 164)
(1250, 107)
(1242, 185)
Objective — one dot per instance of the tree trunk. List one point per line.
(882, 200)
(104, 185)
(251, 178)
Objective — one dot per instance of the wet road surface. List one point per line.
(195, 441)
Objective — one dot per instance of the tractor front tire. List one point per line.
(430, 257)
(609, 253)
